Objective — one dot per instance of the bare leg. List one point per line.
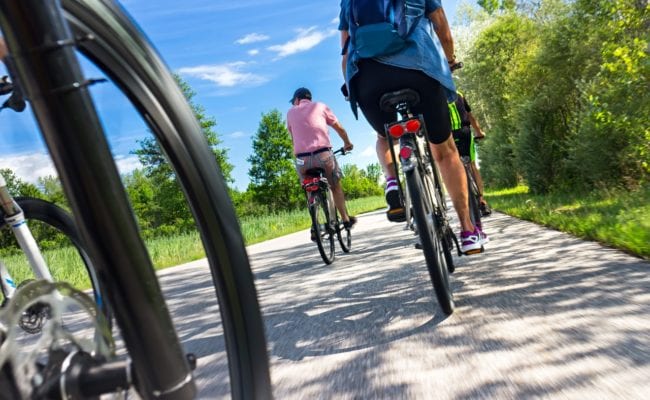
(453, 174)
(478, 178)
(384, 157)
(339, 201)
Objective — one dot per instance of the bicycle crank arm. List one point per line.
(80, 376)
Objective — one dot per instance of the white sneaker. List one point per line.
(472, 242)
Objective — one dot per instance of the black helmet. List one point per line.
(301, 93)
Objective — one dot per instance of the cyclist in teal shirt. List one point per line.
(423, 65)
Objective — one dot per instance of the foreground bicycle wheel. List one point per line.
(58, 91)
(323, 233)
(46, 219)
(120, 50)
(430, 238)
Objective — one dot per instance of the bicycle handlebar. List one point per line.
(342, 151)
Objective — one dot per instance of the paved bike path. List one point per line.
(540, 314)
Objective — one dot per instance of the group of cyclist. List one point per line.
(425, 65)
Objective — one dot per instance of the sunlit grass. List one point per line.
(168, 251)
(617, 218)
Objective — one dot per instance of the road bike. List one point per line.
(326, 226)
(31, 222)
(42, 36)
(425, 191)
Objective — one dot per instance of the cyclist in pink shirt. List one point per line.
(308, 122)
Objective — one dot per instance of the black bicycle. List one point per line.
(326, 225)
(425, 191)
(474, 194)
(42, 36)
(33, 223)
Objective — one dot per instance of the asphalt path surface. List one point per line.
(540, 314)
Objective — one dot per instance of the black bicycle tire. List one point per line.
(320, 205)
(447, 246)
(435, 190)
(123, 53)
(341, 230)
(430, 242)
(56, 217)
(343, 234)
(408, 213)
(448, 235)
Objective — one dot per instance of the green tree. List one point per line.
(356, 183)
(373, 172)
(492, 6)
(142, 192)
(274, 181)
(492, 81)
(164, 208)
(611, 135)
(150, 153)
(53, 191)
(18, 187)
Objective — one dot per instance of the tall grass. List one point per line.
(265, 227)
(173, 250)
(618, 218)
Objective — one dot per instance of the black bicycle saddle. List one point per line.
(389, 101)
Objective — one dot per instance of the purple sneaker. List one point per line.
(471, 242)
(484, 237)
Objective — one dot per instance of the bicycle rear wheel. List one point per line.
(323, 232)
(344, 235)
(431, 238)
(448, 235)
(47, 220)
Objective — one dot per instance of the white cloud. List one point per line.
(225, 75)
(253, 52)
(369, 152)
(30, 167)
(305, 40)
(238, 134)
(252, 38)
(127, 163)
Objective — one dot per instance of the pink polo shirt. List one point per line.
(308, 124)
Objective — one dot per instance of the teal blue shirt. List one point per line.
(424, 51)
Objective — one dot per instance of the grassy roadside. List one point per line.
(173, 250)
(616, 218)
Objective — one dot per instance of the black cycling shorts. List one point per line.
(375, 79)
(465, 142)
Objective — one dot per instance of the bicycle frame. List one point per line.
(15, 219)
(414, 147)
(82, 158)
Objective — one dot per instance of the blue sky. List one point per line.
(242, 58)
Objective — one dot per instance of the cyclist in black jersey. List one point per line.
(462, 119)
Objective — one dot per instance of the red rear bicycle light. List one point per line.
(310, 184)
(396, 130)
(413, 125)
(405, 152)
